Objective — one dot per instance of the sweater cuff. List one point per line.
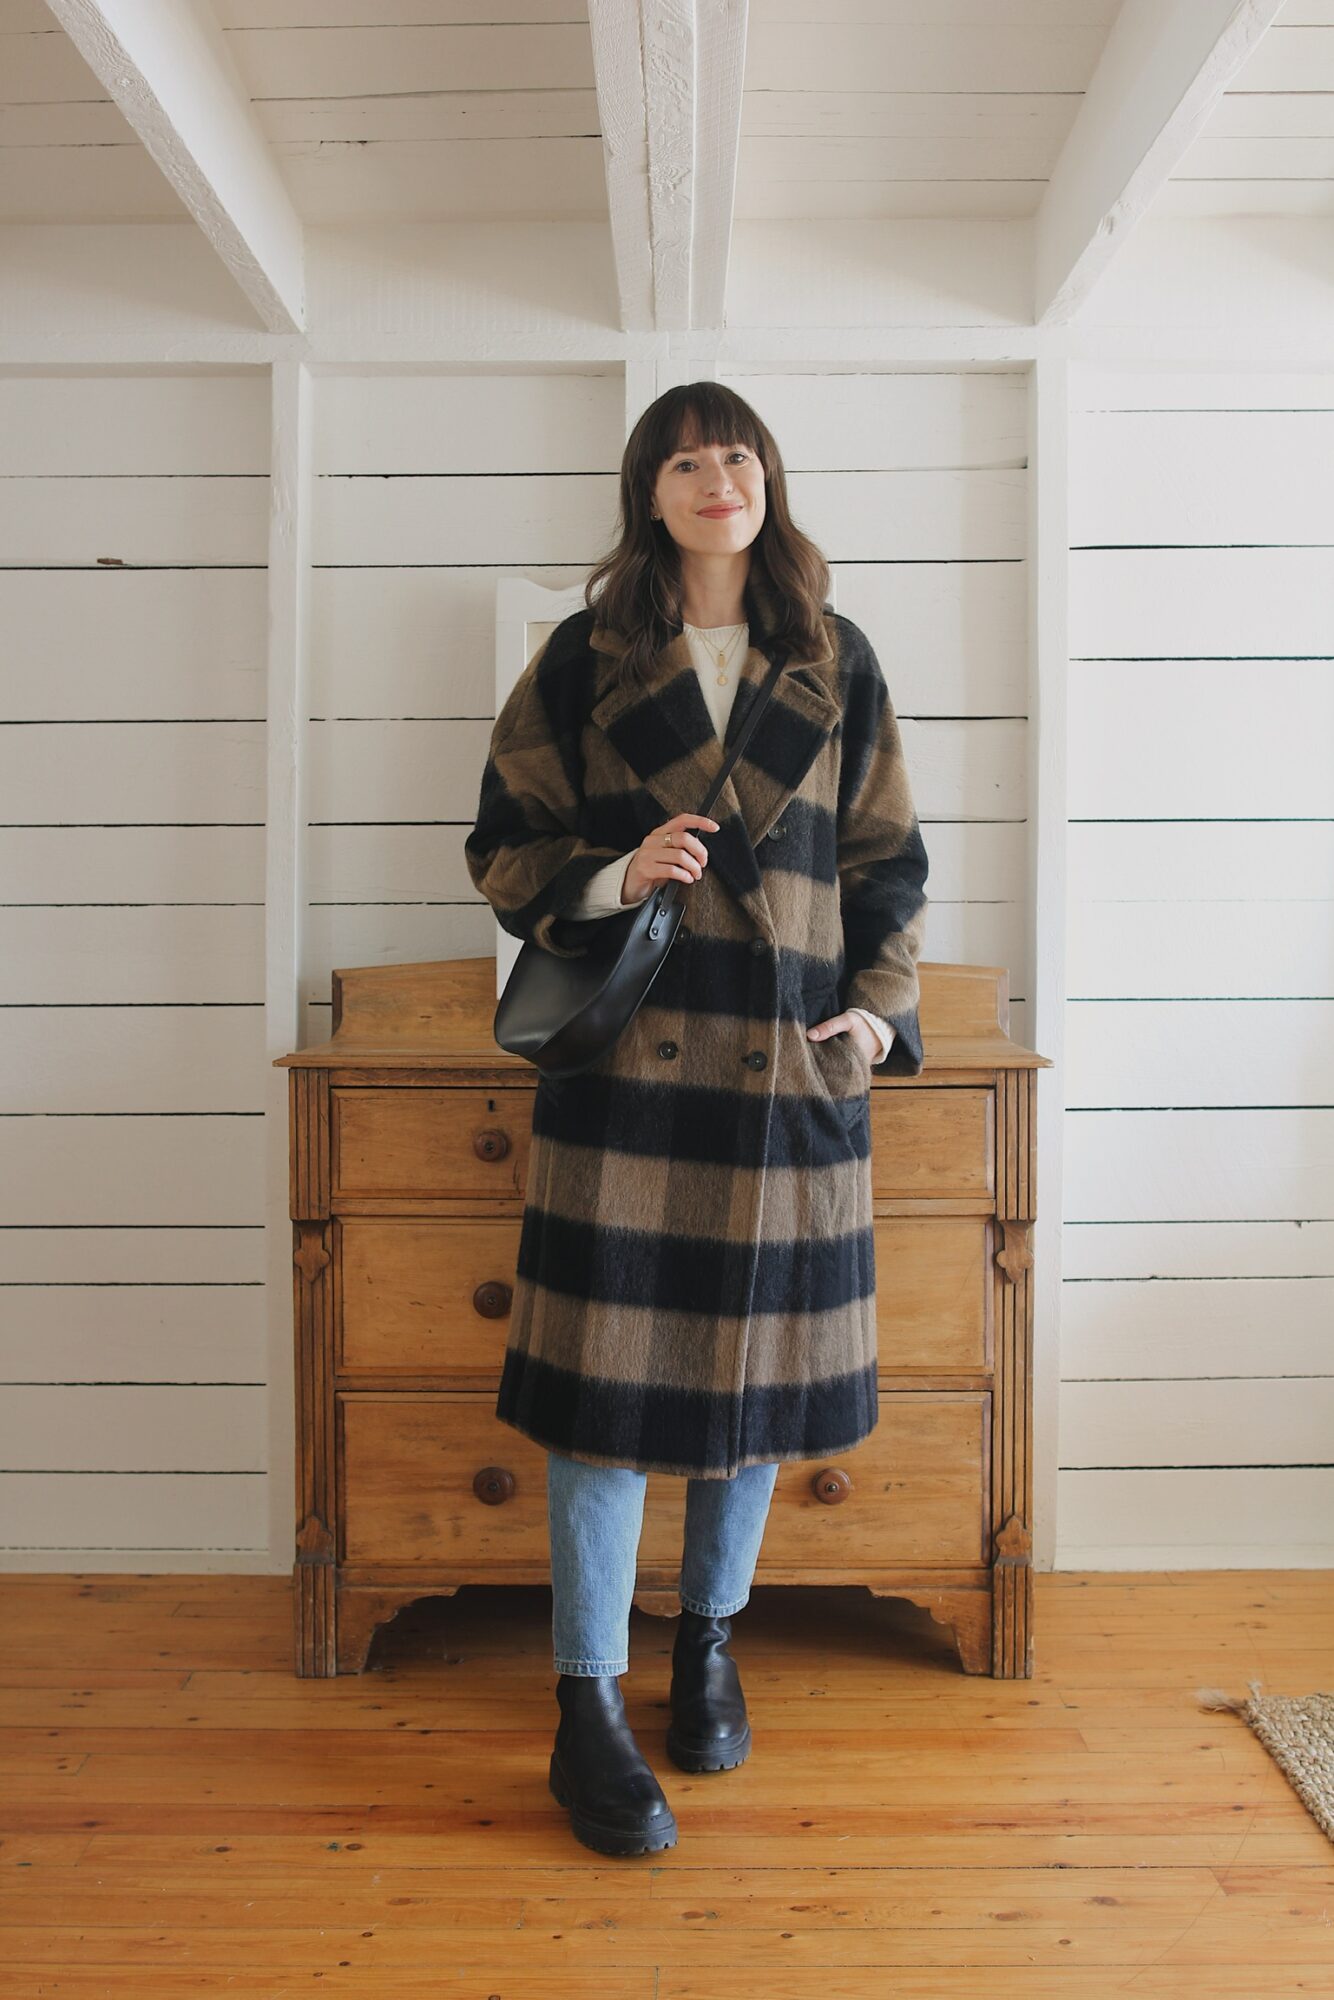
(882, 1028)
(601, 895)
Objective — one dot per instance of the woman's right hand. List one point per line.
(671, 853)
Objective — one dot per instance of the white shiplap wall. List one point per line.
(1197, 1399)
(428, 489)
(132, 1300)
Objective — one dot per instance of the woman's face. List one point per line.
(711, 497)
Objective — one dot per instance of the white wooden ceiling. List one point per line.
(478, 108)
(1268, 147)
(270, 115)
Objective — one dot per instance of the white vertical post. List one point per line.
(290, 426)
(1048, 671)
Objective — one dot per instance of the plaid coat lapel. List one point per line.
(664, 732)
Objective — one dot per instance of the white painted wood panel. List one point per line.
(1184, 1250)
(869, 182)
(135, 1427)
(214, 1254)
(1145, 1330)
(163, 772)
(1184, 1421)
(452, 180)
(133, 864)
(151, 957)
(135, 1059)
(996, 51)
(76, 646)
(1164, 478)
(132, 768)
(99, 1170)
(428, 518)
(89, 1521)
(472, 422)
(1225, 1518)
(1150, 1053)
(1199, 1146)
(1221, 1165)
(115, 426)
(1185, 386)
(784, 278)
(902, 420)
(147, 522)
(1208, 603)
(393, 641)
(117, 1333)
(1248, 859)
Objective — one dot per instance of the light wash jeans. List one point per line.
(595, 1514)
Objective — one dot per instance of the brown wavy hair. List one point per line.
(636, 588)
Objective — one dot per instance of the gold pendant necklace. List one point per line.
(720, 656)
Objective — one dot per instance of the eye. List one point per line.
(738, 453)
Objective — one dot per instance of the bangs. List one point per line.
(709, 416)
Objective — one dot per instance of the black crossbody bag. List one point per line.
(562, 1013)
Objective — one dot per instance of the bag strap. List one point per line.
(753, 715)
(671, 889)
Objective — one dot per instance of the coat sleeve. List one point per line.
(525, 853)
(882, 863)
(602, 896)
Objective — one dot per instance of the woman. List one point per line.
(695, 1290)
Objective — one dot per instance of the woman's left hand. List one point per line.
(847, 1023)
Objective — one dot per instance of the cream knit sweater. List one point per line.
(602, 893)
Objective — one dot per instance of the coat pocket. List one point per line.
(842, 1067)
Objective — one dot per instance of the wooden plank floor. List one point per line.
(182, 1816)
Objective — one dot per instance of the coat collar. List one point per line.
(662, 728)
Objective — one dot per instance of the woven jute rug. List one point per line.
(1298, 1732)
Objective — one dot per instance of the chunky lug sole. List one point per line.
(717, 1756)
(596, 1834)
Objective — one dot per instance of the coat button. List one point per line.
(777, 831)
(756, 1059)
(758, 947)
(666, 1048)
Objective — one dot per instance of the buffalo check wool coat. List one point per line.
(695, 1288)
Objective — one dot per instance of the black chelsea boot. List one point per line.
(709, 1730)
(616, 1804)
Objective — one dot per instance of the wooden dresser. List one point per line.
(409, 1143)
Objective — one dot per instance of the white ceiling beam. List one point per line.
(1165, 65)
(166, 64)
(669, 76)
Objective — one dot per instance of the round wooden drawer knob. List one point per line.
(492, 1299)
(491, 1145)
(493, 1484)
(831, 1485)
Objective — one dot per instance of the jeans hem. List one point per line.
(714, 1610)
(592, 1666)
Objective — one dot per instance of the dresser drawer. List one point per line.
(423, 1295)
(392, 1144)
(407, 1467)
(934, 1293)
(936, 1142)
(912, 1492)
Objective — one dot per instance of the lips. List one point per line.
(717, 513)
